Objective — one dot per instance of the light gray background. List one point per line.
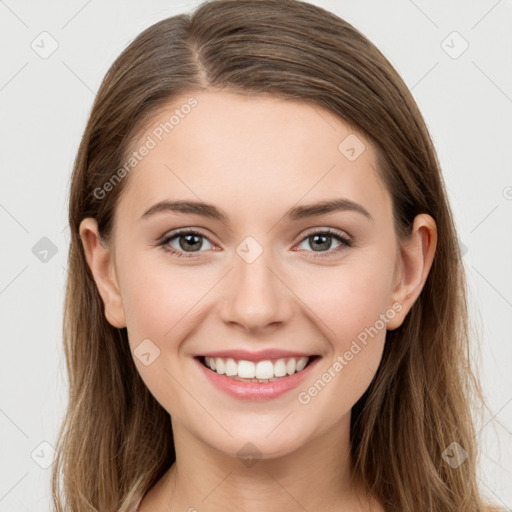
(466, 102)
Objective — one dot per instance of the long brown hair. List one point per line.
(116, 439)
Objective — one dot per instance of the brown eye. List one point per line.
(187, 242)
(321, 241)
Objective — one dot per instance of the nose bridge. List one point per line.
(256, 297)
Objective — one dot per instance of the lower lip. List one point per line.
(257, 390)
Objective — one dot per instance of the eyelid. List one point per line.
(184, 231)
(329, 231)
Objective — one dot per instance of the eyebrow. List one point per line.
(294, 214)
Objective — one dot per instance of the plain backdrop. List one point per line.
(456, 57)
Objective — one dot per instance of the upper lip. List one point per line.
(260, 355)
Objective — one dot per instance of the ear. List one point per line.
(101, 262)
(415, 260)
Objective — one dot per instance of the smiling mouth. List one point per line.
(262, 371)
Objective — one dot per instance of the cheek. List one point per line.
(161, 301)
(350, 310)
(345, 300)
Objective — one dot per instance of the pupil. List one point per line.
(324, 244)
(188, 244)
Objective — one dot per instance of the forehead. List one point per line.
(254, 153)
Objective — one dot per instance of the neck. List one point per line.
(317, 476)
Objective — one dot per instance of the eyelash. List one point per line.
(345, 242)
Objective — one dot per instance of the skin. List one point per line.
(257, 157)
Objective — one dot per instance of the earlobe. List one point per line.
(100, 261)
(416, 258)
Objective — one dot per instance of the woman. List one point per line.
(222, 352)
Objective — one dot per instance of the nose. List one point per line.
(257, 298)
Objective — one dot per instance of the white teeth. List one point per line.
(219, 365)
(262, 370)
(301, 363)
(246, 369)
(265, 370)
(230, 367)
(280, 368)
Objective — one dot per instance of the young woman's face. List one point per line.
(266, 276)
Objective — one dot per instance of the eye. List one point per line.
(322, 240)
(188, 242)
